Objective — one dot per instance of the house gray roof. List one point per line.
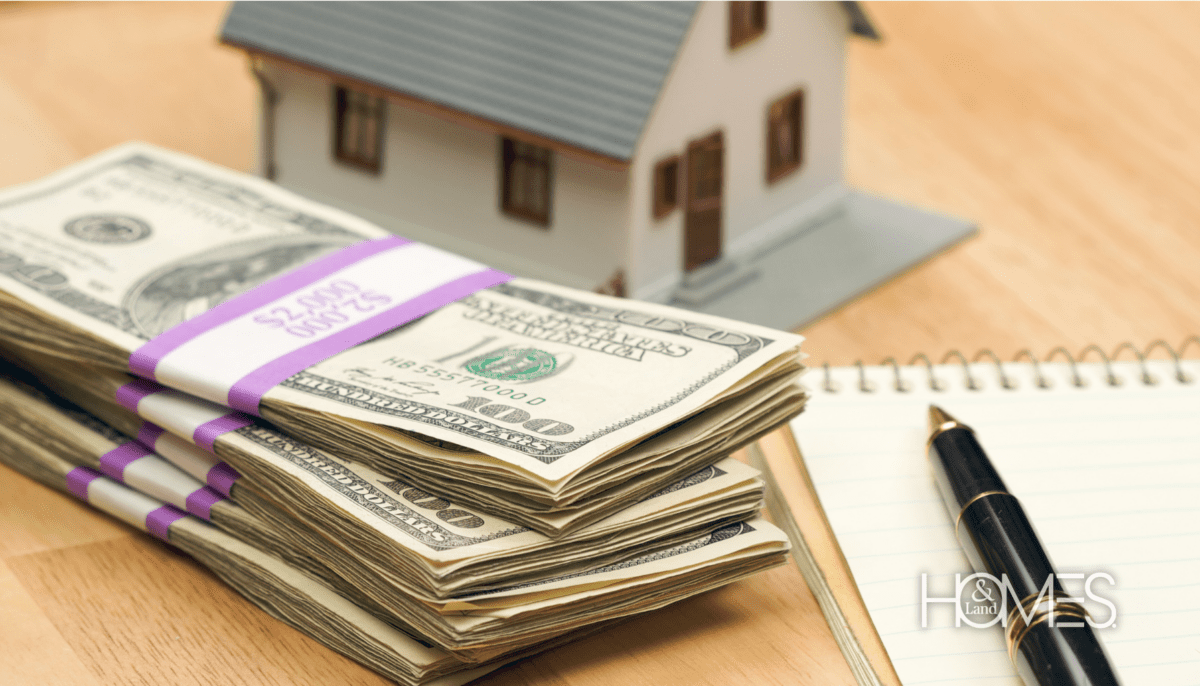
(583, 73)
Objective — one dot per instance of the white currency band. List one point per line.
(210, 364)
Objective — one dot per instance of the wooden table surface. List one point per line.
(1070, 132)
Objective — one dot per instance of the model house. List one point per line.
(654, 150)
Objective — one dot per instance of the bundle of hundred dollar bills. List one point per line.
(371, 435)
(548, 406)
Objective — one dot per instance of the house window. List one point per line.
(747, 21)
(666, 186)
(358, 129)
(785, 150)
(525, 189)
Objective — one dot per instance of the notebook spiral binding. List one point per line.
(936, 384)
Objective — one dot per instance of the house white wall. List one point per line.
(712, 87)
(440, 184)
(440, 180)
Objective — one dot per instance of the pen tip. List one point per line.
(938, 417)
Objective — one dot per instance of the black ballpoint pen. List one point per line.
(998, 538)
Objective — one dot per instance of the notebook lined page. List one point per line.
(1110, 477)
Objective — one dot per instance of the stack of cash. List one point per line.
(290, 587)
(547, 406)
(509, 470)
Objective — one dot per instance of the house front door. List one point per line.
(705, 181)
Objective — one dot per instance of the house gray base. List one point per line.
(825, 261)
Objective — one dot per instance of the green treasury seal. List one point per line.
(512, 364)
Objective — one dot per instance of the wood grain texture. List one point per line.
(77, 78)
(34, 650)
(34, 519)
(135, 611)
(1067, 131)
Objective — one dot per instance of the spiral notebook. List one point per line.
(1105, 457)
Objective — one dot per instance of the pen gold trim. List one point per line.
(939, 423)
(1018, 629)
(972, 501)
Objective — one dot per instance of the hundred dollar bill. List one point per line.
(475, 627)
(526, 399)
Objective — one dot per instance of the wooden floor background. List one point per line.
(1069, 131)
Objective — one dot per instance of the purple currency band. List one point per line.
(246, 393)
(78, 480)
(207, 433)
(129, 395)
(204, 436)
(149, 433)
(222, 477)
(143, 360)
(200, 502)
(159, 521)
(114, 462)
